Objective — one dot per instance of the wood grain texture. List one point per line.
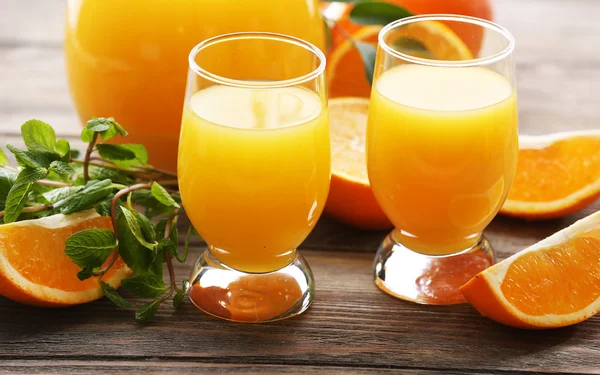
(352, 328)
(350, 324)
(189, 367)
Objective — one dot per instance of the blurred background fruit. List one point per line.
(350, 77)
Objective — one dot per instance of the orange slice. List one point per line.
(345, 71)
(554, 283)
(351, 199)
(34, 268)
(557, 174)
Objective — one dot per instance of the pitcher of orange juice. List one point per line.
(128, 59)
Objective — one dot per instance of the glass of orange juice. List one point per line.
(442, 144)
(254, 171)
(127, 58)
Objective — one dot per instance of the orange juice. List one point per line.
(442, 148)
(254, 170)
(128, 58)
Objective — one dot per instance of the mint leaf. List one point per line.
(162, 195)
(87, 135)
(87, 197)
(63, 148)
(147, 227)
(3, 159)
(38, 136)
(103, 208)
(99, 124)
(174, 233)
(25, 158)
(157, 262)
(125, 155)
(85, 273)
(7, 179)
(368, 53)
(114, 152)
(178, 299)
(153, 207)
(15, 201)
(112, 294)
(17, 195)
(167, 246)
(61, 168)
(146, 313)
(185, 246)
(117, 176)
(58, 194)
(146, 285)
(377, 13)
(134, 223)
(106, 127)
(136, 256)
(89, 248)
(28, 175)
(170, 245)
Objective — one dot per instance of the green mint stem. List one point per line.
(169, 257)
(88, 154)
(113, 217)
(53, 183)
(38, 208)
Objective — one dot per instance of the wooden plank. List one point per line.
(350, 324)
(194, 367)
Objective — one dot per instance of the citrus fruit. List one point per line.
(551, 284)
(34, 268)
(471, 34)
(346, 73)
(557, 174)
(351, 199)
(345, 70)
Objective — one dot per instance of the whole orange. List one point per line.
(350, 78)
(472, 35)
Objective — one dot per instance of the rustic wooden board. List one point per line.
(352, 327)
(350, 324)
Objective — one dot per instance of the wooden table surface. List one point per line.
(352, 327)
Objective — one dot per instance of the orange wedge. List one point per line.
(557, 174)
(34, 268)
(351, 199)
(554, 283)
(345, 71)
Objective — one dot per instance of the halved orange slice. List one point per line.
(351, 199)
(551, 284)
(34, 268)
(557, 174)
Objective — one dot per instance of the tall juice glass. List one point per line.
(442, 145)
(254, 171)
(127, 58)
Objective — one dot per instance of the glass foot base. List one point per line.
(251, 297)
(426, 279)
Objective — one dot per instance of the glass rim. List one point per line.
(448, 63)
(194, 66)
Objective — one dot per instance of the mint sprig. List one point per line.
(116, 181)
